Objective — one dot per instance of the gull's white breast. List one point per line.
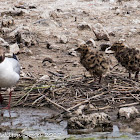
(9, 72)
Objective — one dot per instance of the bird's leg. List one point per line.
(8, 106)
(100, 79)
(85, 74)
(1, 98)
(136, 76)
(129, 75)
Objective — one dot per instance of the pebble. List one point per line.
(44, 78)
(128, 112)
(100, 32)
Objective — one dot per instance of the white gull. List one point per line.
(9, 73)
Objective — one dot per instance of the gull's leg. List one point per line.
(1, 98)
(8, 106)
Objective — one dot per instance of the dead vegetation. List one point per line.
(69, 92)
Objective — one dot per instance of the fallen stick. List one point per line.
(87, 100)
(57, 105)
(26, 94)
(28, 78)
(131, 104)
(38, 99)
(134, 97)
(56, 74)
(102, 108)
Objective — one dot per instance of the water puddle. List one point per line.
(28, 122)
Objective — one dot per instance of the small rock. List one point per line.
(128, 112)
(54, 47)
(100, 32)
(44, 78)
(32, 6)
(4, 128)
(119, 1)
(75, 64)
(79, 111)
(54, 14)
(135, 21)
(14, 49)
(135, 124)
(13, 12)
(91, 43)
(84, 26)
(48, 45)
(27, 51)
(90, 121)
(60, 72)
(49, 59)
(137, 121)
(72, 52)
(24, 36)
(7, 21)
(122, 40)
(118, 11)
(3, 42)
(55, 67)
(111, 33)
(21, 5)
(63, 39)
(126, 128)
(23, 74)
(114, 8)
(80, 42)
(5, 30)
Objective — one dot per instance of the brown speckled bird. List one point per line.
(94, 61)
(127, 57)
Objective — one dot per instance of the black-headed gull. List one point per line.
(9, 73)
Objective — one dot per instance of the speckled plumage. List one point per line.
(127, 57)
(94, 61)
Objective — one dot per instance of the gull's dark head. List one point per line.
(2, 54)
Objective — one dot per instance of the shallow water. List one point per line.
(27, 121)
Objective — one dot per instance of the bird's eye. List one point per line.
(131, 62)
(92, 57)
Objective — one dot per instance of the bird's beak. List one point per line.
(109, 51)
(77, 49)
